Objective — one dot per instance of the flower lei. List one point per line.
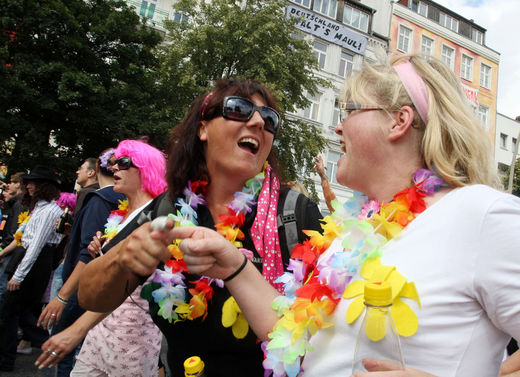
(114, 219)
(23, 219)
(320, 276)
(166, 292)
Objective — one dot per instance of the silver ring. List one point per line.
(53, 315)
(54, 354)
(47, 351)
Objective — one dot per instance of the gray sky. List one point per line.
(501, 19)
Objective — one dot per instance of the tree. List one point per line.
(76, 77)
(516, 179)
(246, 39)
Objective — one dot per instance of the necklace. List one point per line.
(114, 219)
(166, 292)
(320, 276)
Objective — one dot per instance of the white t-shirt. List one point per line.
(463, 253)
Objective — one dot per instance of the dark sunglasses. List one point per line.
(124, 163)
(242, 109)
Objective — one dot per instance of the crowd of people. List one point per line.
(204, 250)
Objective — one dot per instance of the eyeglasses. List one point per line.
(347, 108)
(242, 109)
(124, 163)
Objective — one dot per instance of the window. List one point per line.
(345, 64)
(180, 17)
(313, 109)
(147, 10)
(355, 18)
(477, 36)
(427, 45)
(320, 51)
(466, 67)
(305, 3)
(483, 113)
(326, 7)
(513, 146)
(448, 54)
(449, 22)
(405, 37)
(419, 7)
(485, 76)
(503, 140)
(332, 165)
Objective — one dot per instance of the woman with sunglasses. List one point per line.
(431, 226)
(124, 342)
(218, 178)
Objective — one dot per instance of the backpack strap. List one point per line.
(291, 216)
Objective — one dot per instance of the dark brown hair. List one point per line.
(186, 159)
(44, 191)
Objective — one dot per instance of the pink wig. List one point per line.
(67, 199)
(150, 162)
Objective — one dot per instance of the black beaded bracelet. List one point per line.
(239, 270)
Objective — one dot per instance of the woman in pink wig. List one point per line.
(124, 342)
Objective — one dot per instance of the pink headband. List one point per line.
(415, 87)
(205, 104)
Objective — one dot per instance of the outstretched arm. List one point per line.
(60, 345)
(109, 279)
(325, 185)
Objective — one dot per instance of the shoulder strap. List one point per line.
(291, 215)
(163, 206)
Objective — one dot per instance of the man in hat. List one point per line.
(31, 275)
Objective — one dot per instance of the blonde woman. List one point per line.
(414, 148)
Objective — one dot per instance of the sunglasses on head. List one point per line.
(242, 109)
(124, 163)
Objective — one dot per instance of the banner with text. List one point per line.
(471, 94)
(330, 31)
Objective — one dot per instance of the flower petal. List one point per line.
(355, 309)
(404, 317)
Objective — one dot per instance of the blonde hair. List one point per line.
(454, 144)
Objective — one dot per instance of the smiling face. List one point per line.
(237, 149)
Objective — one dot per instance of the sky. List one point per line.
(501, 19)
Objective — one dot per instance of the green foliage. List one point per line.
(516, 179)
(81, 74)
(252, 39)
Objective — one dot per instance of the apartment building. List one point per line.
(343, 34)
(506, 140)
(425, 26)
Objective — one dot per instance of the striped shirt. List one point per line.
(40, 230)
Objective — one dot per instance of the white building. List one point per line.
(344, 34)
(506, 139)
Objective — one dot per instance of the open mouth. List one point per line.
(249, 144)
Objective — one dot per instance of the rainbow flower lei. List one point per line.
(166, 292)
(114, 219)
(320, 276)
